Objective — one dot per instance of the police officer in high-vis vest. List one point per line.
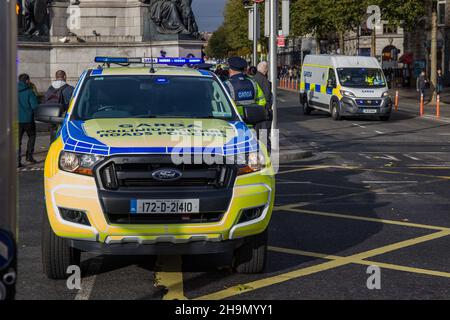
(243, 89)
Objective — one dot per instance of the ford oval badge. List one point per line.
(166, 174)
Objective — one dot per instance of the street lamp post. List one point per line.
(273, 72)
(255, 33)
(8, 102)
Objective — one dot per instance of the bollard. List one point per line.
(421, 105)
(396, 100)
(438, 106)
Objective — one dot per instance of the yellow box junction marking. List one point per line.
(363, 262)
(338, 262)
(361, 218)
(170, 276)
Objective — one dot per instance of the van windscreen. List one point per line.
(361, 77)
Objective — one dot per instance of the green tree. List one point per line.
(218, 46)
(236, 27)
(403, 13)
(321, 18)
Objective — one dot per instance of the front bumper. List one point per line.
(76, 192)
(163, 248)
(365, 107)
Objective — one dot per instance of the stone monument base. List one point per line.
(117, 28)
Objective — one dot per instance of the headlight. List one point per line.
(385, 94)
(254, 162)
(78, 163)
(348, 94)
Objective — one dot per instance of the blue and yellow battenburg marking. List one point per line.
(75, 139)
(306, 86)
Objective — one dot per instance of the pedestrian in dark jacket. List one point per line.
(59, 92)
(422, 84)
(28, 102)
(266, 86)
(440, 82)
(261, 78)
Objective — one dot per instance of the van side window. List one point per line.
(332, 83)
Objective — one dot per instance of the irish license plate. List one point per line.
(165, 206)
(370, 110)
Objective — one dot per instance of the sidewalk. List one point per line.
(409, 103)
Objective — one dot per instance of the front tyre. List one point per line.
(57, 255)
(335, 111)
(305, 106)
(251, 257)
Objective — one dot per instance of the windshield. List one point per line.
(361, 77)
(152, 97)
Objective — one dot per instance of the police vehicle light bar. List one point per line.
(167, 61)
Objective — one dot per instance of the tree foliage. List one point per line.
(403, 12)
(322, 17)
(218, 46)
(232, 37)
(319, 18)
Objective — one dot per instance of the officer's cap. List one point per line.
(237, 63)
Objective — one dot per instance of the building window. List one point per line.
(441, 9)
(389, 29)
(364, 32)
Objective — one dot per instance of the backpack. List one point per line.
(56, 95)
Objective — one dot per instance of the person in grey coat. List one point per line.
(266, 86)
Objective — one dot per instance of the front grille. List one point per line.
(369, 102)
(166, 218)
(123, 179)
(136, 173)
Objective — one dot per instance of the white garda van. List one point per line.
(344, 86)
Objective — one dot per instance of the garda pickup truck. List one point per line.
(344, 86)
(155, 159)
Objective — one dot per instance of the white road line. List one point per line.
(365, 156)
(379, 132)
(389, 182)
(300, 195)
(425, 166)
(411, 157)
(87, 284)
(358, 125)
(387, 157)
(406, 193)
(294, 182)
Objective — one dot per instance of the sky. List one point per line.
(208, 13)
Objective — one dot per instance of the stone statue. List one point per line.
(173, 16)
(36, 18)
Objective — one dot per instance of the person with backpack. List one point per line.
(59, 93)
(28, 102)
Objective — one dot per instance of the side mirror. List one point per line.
(254, 114)
(50, 113)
